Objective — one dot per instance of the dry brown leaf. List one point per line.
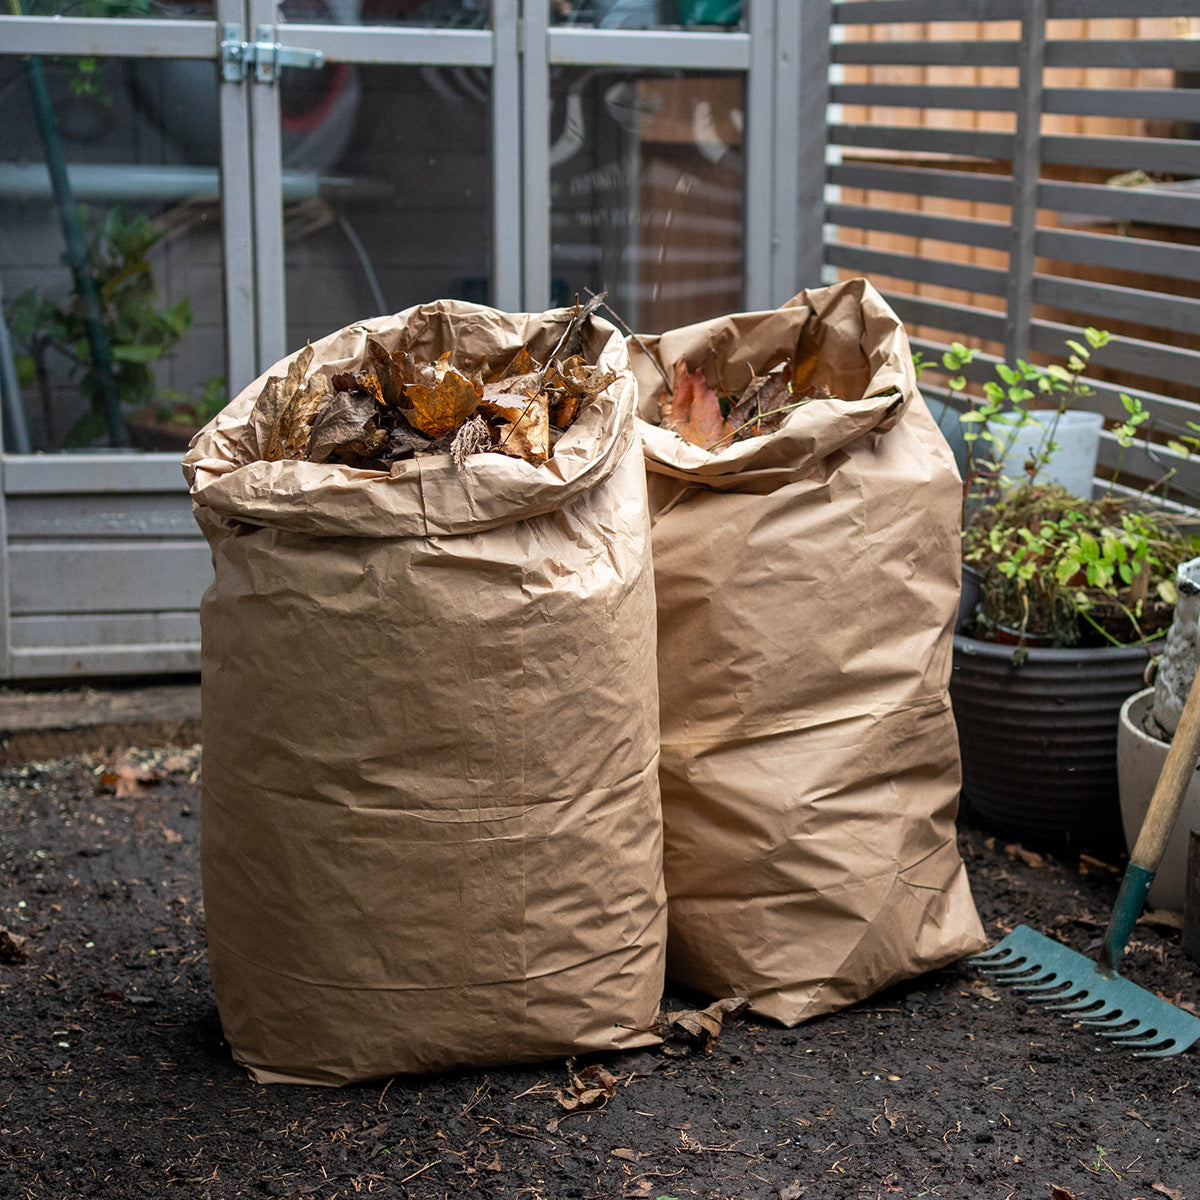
(127, 778)
(699, 1028)
(763, 394)
(346, 420)
(590, 1088)
(12, 946)
(521, 363)
(279, 424)
(1060, 1193)
(441, 407)
(1170, 1192)
(693, 409)
(521, 421)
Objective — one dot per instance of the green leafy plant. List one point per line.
(140, 330)
(1056, 568)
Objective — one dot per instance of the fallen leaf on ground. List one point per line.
(698, 1028)
(1170, 1192)
(1060, 1193)
(1029, 857)
(128, 778)
(793, 1191)
(12, 946)
(590, 1088)
(1161, 918)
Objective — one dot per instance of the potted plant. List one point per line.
(1147, 725)
(1073, 593)
(140, 332)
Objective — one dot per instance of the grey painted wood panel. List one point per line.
(106, 576)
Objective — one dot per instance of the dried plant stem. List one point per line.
(612, 312)
(772, 412)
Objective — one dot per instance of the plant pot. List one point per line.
(1140, 758)
(1037, 729)
(968, 597)
(1073, 464)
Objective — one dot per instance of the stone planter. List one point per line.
(1140, 758)
(1037, 729)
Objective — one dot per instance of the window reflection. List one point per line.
(647, 192)
(649, 14)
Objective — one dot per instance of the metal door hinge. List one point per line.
(264, 54)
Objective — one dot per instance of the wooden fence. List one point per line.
(1008, 171)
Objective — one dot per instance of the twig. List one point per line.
(612, 312)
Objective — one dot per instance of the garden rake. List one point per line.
(1092, 993)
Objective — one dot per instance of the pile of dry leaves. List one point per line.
(712, 418)
(394, 407)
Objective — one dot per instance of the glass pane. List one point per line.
(650, 14)
(402, 214)
(139, 143)
(437, 14)
(647, 193)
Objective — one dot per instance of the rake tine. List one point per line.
(1044, 991)
(1164, 1051)
(1084, 1001)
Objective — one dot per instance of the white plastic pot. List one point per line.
(1073, 464)
(1140, 758)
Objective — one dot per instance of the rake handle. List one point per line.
(1160, 819)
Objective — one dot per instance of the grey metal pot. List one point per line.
(1037, 729)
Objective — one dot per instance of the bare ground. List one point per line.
(115, 1082)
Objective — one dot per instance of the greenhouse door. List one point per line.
(240, 176)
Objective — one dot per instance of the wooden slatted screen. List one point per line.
(1009, 171)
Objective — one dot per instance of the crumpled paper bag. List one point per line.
(807, 586)
(431, 833)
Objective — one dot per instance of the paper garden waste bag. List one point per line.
(431, 833)
(807, 583)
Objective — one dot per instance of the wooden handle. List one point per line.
(1172, 784)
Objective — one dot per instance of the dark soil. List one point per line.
(114, 1080)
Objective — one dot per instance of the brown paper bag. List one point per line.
(807, 584)
(431, 827)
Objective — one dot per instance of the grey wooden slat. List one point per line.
(1157, 104)
(396, 44)
(925, 95)
(4, 592)
(57, 662)
(1173, 156)
(959, 319)
(1179, 54)
(1076, 10)
(101, 36)
(647, 49)
(937, 272)
(1149, 359)
(1026, 171)
(1121, 253)
(146, 515)
(1159, 204)
(1152, 463)
(1104, 303)
(811, 147)
(927, 54)
(45, 474)
(107, 630)
(96, 577)
(923, 181)
(966, 231)
(916, 139)
(880, 12)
